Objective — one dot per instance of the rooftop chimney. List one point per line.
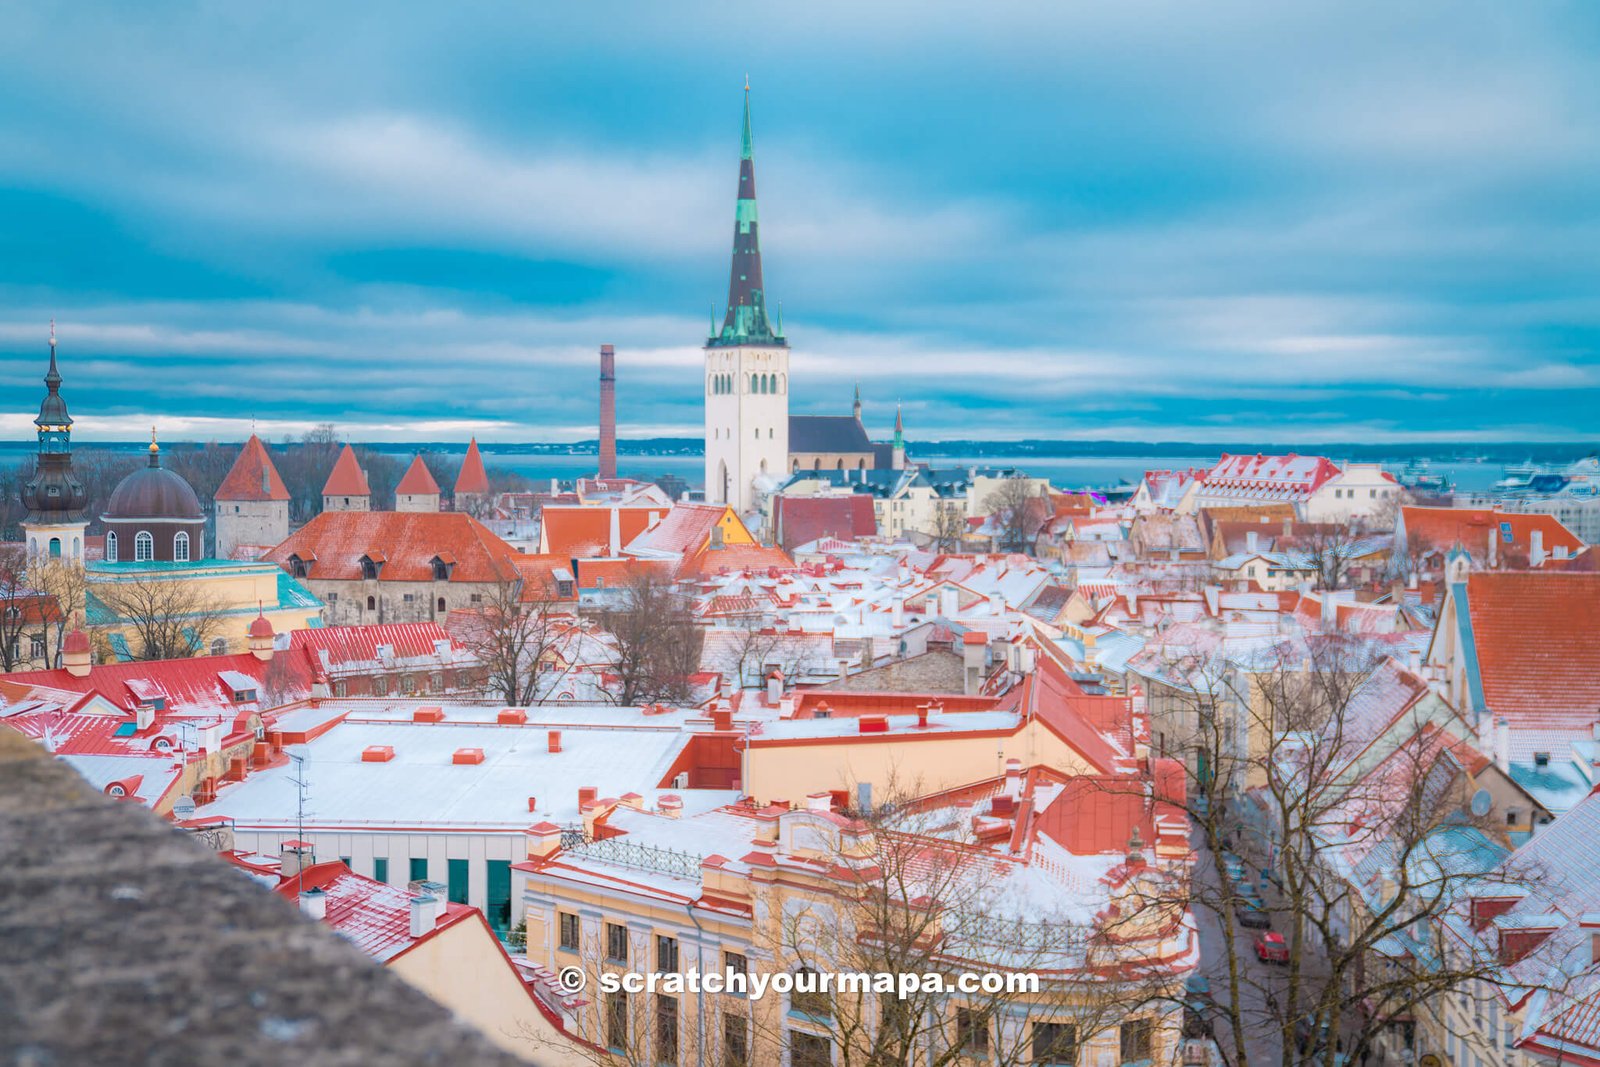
(555, 740)
(608, 413)
(974, 659)
(424, 915)
(314, 902)
(775, 686)
(1536, 548)
(75, 654)
(1502, 745)
(1250, 541)
(294, 857)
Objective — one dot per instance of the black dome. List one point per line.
(153, 493)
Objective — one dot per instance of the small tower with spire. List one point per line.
(417, 491)
(54, 497)
(898, 460)
(855, 409)
(747, 364)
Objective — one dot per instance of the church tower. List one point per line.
(54, 496)
(747, 366)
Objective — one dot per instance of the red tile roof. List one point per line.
(473, 478)
(372, 915)
(253, 476)
(333, 543)
(733, 558)
(347, 477)
(803, 519)
(1095, 814)
(418, 480)
(340, 645)
(1538, 657)
(189, 686)
(1438, 529)
(1294, 476)
(585, 532)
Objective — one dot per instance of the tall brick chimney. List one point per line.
(608, 413)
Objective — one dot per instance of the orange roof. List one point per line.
(418, 480)
(731, 558)
(333, 543)
(585, 532)
(347, 478)
(1440, 528)
(473, 478)
(253, 476)
(1534, 632)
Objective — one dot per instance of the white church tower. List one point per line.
(747, 367)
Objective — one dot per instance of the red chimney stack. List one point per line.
(608, 413)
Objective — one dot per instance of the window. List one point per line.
(441, 571)
(457, 878)
(380, 687)
(666, 1030)
(666, 954)
(380, 869)
(568, 923)
(372, 603)
(419, 869)
(972, 1031)
(441, 604)
(616, 942)
(735, 962)
(144, 547)
(180, 547)
(436, 682)
(36, 646)
(219, 646)
(341, 688)
(499, 895)
(735, 1041)
(369, 569)
(111, 548)
(808, 997)
(407, 597)
(1136, 1039)
(408, 684)
(1055, 1043)
(346, 861)
(617, 1020)
(55, 548)
(297, 567)
(1541, 759)
(809, 1050)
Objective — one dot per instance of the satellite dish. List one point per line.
(183, 808)
(1482, 803)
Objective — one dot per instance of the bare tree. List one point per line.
(1330, 549)
(169, 619)
(514, 633)
(1018, 513)
(1351, 835)
(65, 584)
(949, 526)
(19, 608)
(755, 646)
(656, 642)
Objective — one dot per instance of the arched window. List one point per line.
(816, 464)
(372, 603)
(749, 383)
(77, 548)
(763, 380)
(180, 548)
(841, 464)
(795, 466)
(219, 646)
(55, 548)
(111, 547)
(441, 604)
(144, 547)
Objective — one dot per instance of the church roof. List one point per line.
(827, 433)
(418, 480)
(747, 321)
(347, 478)
(153, 492)
(253, 476)
(473, 478)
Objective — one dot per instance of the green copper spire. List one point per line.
(746, 322)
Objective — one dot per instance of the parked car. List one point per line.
(1271, 947)
(1252, 916)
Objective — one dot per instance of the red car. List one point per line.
(1271, 947)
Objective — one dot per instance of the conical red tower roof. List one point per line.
(418, 480)
(253, 476)
(347, 478)
(473, 478)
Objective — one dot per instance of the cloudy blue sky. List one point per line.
(1206, 221)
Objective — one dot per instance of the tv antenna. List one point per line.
(298, 758)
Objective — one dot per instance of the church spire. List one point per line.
(747, 321)
(856, 407)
